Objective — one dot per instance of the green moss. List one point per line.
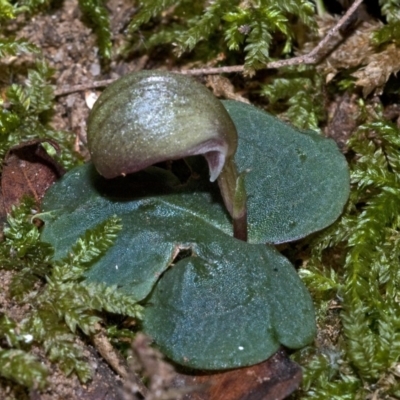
(97, 14)
(250, 29)
(365, 285)
(27, 114)
(299, 91)
(62, 306)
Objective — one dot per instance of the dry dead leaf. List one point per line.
(344, 116)
(222, 87)
(274, 379)
(357, 51)
(27, 171)
(352, 51)
(159, 374)
(378, 69)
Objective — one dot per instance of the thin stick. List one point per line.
(80, 88)
(113, 358)
(311, 58)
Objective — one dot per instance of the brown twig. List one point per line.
(113, 358)
(80, 88)
(310, 58)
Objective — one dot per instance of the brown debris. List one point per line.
(378, 70)
(343, 119)
(222, 87)
(357, 51)
(27, 171)
(353, 50)
(104, 385)
(274, 379)
(150, 363)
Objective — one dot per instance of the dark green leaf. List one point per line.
(230, 305)
(297, 182)
(156, 221)
(242, 282)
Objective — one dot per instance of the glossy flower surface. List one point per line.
(153, 116)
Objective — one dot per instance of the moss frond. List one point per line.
(149, 10)
(390, 9)
(13, 47)
(371, 280)
(98, 16)
(367, 291)
(7, 10)
(86, 250)
(36, 95)
(66, 303)
(22, 250)
(31, 6)
(300, 91)
(202, 27)
(27, 115)
(325, 377)
(22, 368)
(388, 33)
(16, 363)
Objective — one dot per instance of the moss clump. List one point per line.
(62, 305)
(365, 284)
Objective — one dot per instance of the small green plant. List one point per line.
(226, 303)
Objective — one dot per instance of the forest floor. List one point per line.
(69, 46)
